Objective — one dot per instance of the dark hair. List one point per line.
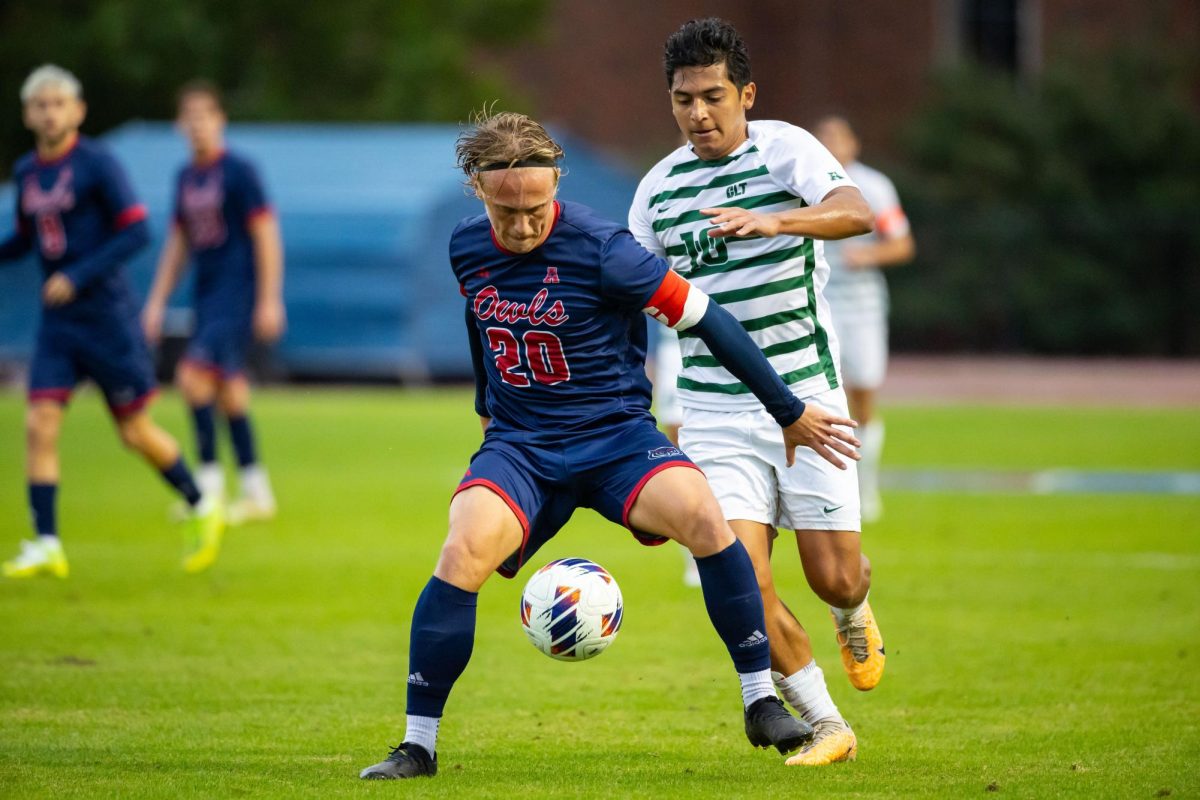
(199, 86)
(704, 42)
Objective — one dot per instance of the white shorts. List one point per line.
(741, 453)
(863, 346)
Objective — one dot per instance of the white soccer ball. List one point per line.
(571, 609)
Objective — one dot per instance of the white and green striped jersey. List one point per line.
(773, 286)
(855, 294)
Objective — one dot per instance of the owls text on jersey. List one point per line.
(863, 292)
(773, 286)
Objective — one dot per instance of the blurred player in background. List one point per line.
(222, 220)
(740, 210)
(75, 205)
(554, 303)
(858, 299)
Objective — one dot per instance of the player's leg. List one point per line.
(256, 500)
(840, 574)
(44, 554)
(198, 382)
(678, 504)
(52, 377)
(864, 362)
(488, 522)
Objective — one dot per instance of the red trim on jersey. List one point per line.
(42, 162)
(889, 221)
(670, 297)
(133, 406)
(258, 213)
(207, 366)
(512, 504)
(507, 252)
(60, 395)
(649, 538)
(129, 216)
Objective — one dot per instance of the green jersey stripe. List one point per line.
(760, 260)
(716, 183)
(742, 202)
(777, 349)
(769, 321)
(692, 166)
(755, 292)
(740, 388)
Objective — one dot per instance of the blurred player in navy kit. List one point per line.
(75, 205)
(224, 222)
(555, 297)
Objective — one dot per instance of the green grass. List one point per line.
(1045, 646)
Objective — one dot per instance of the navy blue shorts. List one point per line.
(544, 477)
(220, 346)
(112, 353)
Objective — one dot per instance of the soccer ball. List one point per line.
(571, 609)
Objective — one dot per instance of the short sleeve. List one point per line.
(252, 194)
(114, 186)
(629, 273)
(641, 224)
(176, 205)
(803, 165)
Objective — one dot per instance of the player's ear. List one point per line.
(475, 185)
(749, 91)
(80, 112)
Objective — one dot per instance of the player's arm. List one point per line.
(270, 318)
(843, 213)
(477, 365)
(893, 244)
(682, 306)
(172, 263)
(130, 233)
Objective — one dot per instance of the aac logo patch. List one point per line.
(663, 452)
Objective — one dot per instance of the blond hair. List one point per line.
(504, 139)
(50, 75)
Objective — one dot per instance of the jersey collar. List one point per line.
(53, 162)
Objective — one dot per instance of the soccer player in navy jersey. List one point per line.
(74, 204)
(554, 298)
(224, 222)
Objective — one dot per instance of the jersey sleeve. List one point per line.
(122, 204)
(21, 239)
(641, 224)
(890, 220)
(629, 273)
(803, 166)
(251, 193)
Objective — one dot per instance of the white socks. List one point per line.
(871, 435)
(423, 731)
(755, 686)
(210, 480)
(806, 692)
(843, 614)
(256, 484)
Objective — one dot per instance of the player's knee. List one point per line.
(131, 434)
(42, 424)
(702, 528)
(841, 586)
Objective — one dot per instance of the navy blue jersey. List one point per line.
(215, 204)
(79, 211)
(561, 327)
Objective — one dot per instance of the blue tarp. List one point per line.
(366, 212)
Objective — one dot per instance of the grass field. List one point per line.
(1038, 646)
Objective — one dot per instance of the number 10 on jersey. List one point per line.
(542, 353)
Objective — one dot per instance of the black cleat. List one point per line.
(408, 760)
(769, 723)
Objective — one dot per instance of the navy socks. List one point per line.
(443, 634)
(181, 480)
(41, 503)
(735, 606)
(243, 440)
(205, 426)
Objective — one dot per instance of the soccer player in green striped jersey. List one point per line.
(741, 210)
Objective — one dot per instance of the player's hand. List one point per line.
(823, 432)
(270, 320)
(152, 322)
(58, 290)
(740, 222)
